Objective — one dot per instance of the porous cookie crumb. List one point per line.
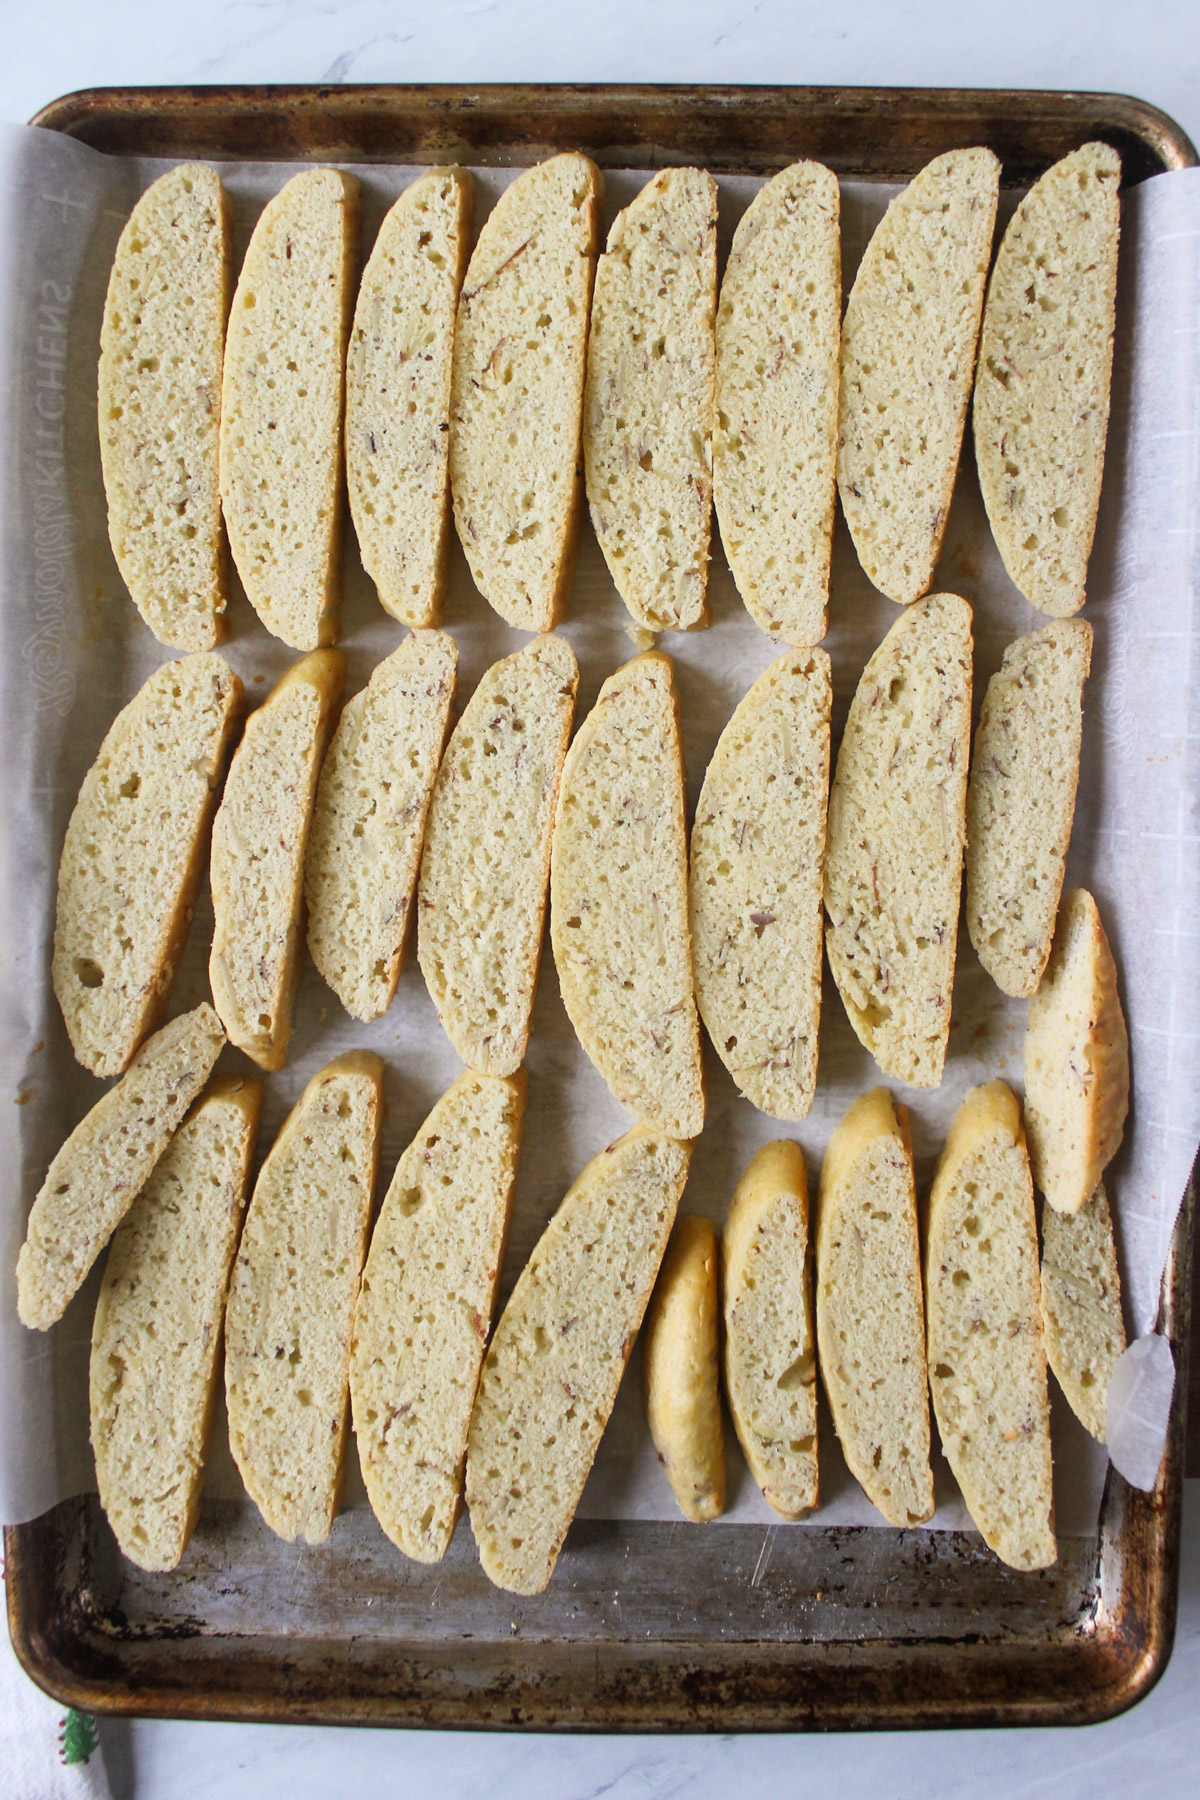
(1081, 1306)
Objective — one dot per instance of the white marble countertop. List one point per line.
(1151, 51)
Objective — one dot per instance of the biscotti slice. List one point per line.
(291, 1301)
(775, 443)
(1081, 1306)
(618, 899)
(1045, 363)
(908, 361)
(683, 1399)
(897, 824)
(398, 393)
(161, 349)
(520, 348)
(486, 862)
(870, 1308)
(987, 1360)
(1076, 1060)
(259, 840)
(282, 401)
(551, 1374)
(157, 1331)
(133, 856)
(364, 849)
(425, 1309)
(1021, 801)
(106, 1161)
(758, 854)
(648, 404)
(770, 1336)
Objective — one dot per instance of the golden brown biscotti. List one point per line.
(133, 856)
(291, 1305)
(1081, 1307)
(398, 393)
(551, 1374)
(156, 1337)
(683, 1397)
(282, 400)
(987, 1359)
(161, 349)
(520, 349)
(107, 1160)
(425, 1308)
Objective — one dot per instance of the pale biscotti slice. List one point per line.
(1076, 1060)
(1081, 1306)
(1021, 801)
(897, 825)
(770, 1334)
(482, 902)
(987, 1359)
(551, 1374)
(291, 1305)
(282, 401)
(908, 361)
(520, 348)
(425, 1309)
(779, 327)
(758, 854)
(161, 349)
(398, 393)
(683, 1397)
(618, 899)
(259, 840)
(364, 849)
(648, 403)
(106, 1161)
(870, 1308)
(133, 856)
(1045, 364)
(157, 1332)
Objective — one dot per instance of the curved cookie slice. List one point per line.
(1081, 1307)
(648, 405)
(133, 856)
(161, 349)
(482, 902)
(683, 1398)
(364, 849)
(897, 825)
(758, 854)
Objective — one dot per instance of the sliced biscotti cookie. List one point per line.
(283, 396)
(908, 361)
(648, 404)
(364, 849)
(1021, 801)
(870, 1308)
(291, 1301)
(425, 1308)
(897, 824)
(987, 1359)
(482, 902)
(398, 393)
(758, 854)
(770, 1336)
(259, 841)
(520, 348)
(161, 349)
(157, 1331)
(1045, 363)
(775, 442)
(107, 1160)
(618, 899)
(551, 1374)
(683, 1397)
(1076, 1060)
(1081, 1306)
(133, 856)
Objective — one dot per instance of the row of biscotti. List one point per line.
(486, 388)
